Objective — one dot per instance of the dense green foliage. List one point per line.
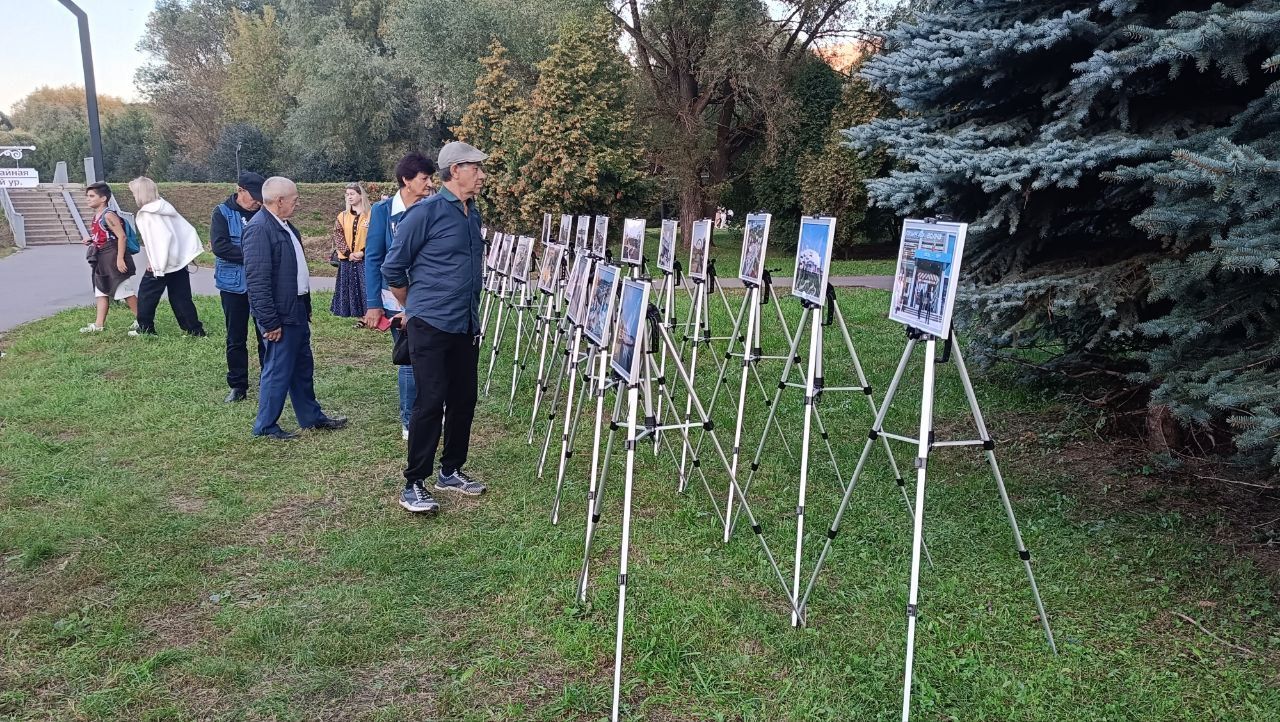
(1118, 163)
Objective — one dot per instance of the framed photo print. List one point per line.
(566, 229)
(576, 288)
(546, 228)
(495, 247)
(667, 247)
(504, 254)
(813, 259)
(924, 286)
(550, 273)
(633, 241)
(628, 354)
(583, 231)
(699, 247)
(600, 237)
(604, 288)
(754, 241)
(520, 259)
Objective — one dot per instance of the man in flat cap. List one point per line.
(225, 231)
(433, 269)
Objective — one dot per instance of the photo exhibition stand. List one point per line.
(655, 336)
(547, 326)
(925, 443)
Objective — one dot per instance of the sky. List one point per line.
(41, 46)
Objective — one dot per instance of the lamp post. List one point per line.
(237, 159)
(90, 88)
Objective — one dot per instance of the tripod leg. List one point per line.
(628, 481)
(715, 442)
(876, 427)
(664, 391)
(773, 421)
(884, 440)
(810, 400)
(497, 344)
(517, 361)
(917, 536)
(831, 453)
(988, 444)
(570, 353)
(572, 413)
(596, 494)
(793, 359)
(700, 298)
(540, 385)
(750, 310)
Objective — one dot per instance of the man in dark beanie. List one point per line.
(225, 229)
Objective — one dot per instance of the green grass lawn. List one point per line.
(158, 563)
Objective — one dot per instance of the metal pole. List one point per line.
(90, 87)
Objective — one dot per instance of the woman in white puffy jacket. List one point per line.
(171, 244)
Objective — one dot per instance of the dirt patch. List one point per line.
(1118, 478)
(49, 590)
(179, 626)
(188, 504)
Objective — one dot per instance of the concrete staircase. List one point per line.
(46, 216)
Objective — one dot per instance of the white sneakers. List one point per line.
(404, 433)
(94, 328)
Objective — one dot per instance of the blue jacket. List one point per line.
(439, 254)
(382, 226)
(271, 273)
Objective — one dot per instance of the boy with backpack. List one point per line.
(110, 257)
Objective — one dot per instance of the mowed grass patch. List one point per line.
(167, 566)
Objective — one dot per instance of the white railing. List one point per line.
(75, 213)
(15, 219)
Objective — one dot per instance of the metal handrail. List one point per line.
(16, 223)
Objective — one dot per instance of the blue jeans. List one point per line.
(287, 371)
(408, 387)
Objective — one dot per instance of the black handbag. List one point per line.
(400, 351)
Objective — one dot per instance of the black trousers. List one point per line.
(235, 308)
(444, 369)
(178, 284)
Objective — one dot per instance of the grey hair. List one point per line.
(144, 190)
(446, 174)
(277, 187)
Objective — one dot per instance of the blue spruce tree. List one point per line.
(1119, 161)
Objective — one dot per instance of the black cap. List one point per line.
(251, 182)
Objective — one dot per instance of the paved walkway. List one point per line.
(43, 280)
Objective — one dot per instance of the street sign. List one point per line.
(19, 177)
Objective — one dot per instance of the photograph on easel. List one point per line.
(699, 247)
(924, 286)
(600, 304)
(504, 254)
(575, 288)
(521, 258)
(581, 233)
(813, 259)
(631, 311)
(495, 248)
(600, 237)
(633, 241)
(566, 230)
(667, 247)
(546, 228)
(550, 275)
(754, 240)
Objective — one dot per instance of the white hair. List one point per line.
(144, 190)
(277, 187)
